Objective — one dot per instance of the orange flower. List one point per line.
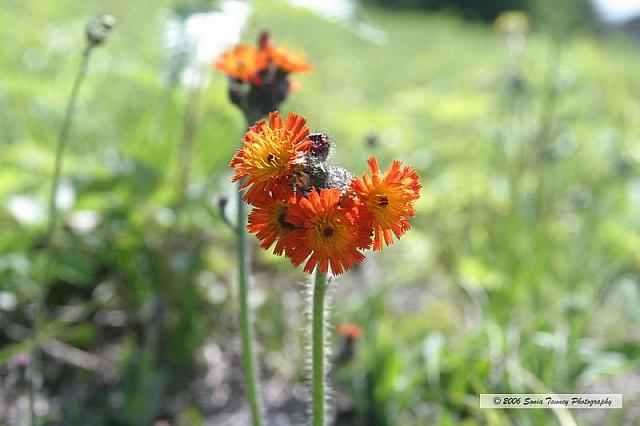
(350, 330)
(287, 59)
(389, 198)
(327, 232)
(270, 151)
(241, 62)
(268, 218)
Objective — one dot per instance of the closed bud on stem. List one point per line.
(222, 204)
(98, 29)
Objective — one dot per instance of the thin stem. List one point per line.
(317, 350)
(246, 331)
(52, 219)
(191, 124)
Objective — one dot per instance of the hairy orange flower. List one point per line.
(270, 151)
(268, 218)
(287, 59)
(326, 232)
(389, 198)
(241, 62)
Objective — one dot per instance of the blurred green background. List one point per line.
(520, 273)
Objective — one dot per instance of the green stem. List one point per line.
(52, 219)
(317, 349)
(246, 331)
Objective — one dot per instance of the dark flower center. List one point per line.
(283, 222)
(383, 201)
(270, 158)
(328, 232)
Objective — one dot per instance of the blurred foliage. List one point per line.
(572, 12)
(480, 9)
(520, 273)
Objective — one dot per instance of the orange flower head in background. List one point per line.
(389, 198)
(268, 219)
(241, 62)
(270, 151)
(259, 77)
(326, 233)
(287, 59)
(245, 62)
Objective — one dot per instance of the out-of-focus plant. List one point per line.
(318, 214)
(96, 32)
(480, 9)
(258, 83)
(514, 24)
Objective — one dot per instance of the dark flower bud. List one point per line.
(223, 199)
(269, 94)
(371, 139)
(237, 92)
(321, 146)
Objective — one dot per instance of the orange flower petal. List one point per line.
(241, 62)
(268, 218)
(287, 59)
(324, 234)
(270, 151)
(388, 198)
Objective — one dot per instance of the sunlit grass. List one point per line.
(523, 256)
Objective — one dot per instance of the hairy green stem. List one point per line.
(317, 349)
(246, 331)
(52, 219)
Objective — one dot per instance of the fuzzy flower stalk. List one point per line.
(318, 215)
(259, 81)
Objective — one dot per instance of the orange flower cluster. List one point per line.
(315, 213)
(247, 63)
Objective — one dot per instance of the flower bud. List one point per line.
(108, 21)
(267, 97)
(98, 29)
(223, 199)
(372, 139)
(321, 146)
(237, 91)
